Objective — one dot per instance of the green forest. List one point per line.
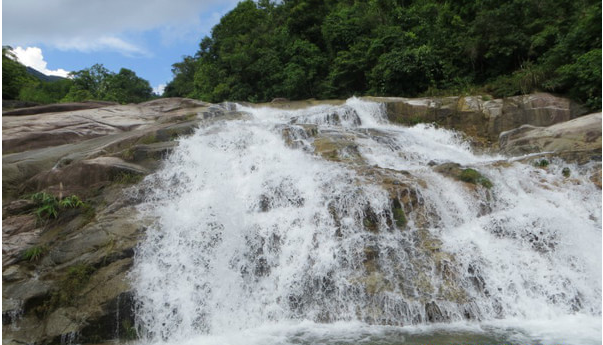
(300, 49)
(94, 83)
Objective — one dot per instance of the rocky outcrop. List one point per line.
(481, 117)
(65, 277)
(57, 108)
(576, 140)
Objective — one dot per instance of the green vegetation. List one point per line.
(149, 139)
(400, 217)
(49, 206)
(128, 330)
(98, 83)
(334, 49)
(34, 253)
(473, 176)
(94, 83)
(14, 75)
(126, 177)
(75, 279)
(566, 172)
(543, 163)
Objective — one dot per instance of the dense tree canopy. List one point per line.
(98, 83)
(14, 75)
(338, 48)
(94, 83)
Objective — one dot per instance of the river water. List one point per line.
(258, 239)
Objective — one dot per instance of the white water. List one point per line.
(260, 242)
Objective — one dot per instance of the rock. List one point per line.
(293, 105)
(57, 108)
(577, 140)
(433, 312)
(337, 147)
(17, 207)
(81, 286)
(27, 293)
(481, 117)
(84, 176)
(62, 322)
(20, 133)
(18, 234)
(100, 132)
(467, 175)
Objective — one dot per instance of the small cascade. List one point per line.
(333, 216)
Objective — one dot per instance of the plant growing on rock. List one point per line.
(543, 163)
(76, 278)
(49, 206)
(34, 253)
(566, 172)
(127, 177)
(473, 176)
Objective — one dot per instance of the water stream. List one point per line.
(328, 225)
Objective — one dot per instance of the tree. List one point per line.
(45, 92)
(184, 78)
(88, 84)
(337, 48)
(126, 87)
(14, 75)
(99, 83)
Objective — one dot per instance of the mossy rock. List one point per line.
(467, 175)
(473, 176)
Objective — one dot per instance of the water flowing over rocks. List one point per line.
(202, 219)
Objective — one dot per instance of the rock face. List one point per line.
(578, 139)
(479, 117)
(66, 278)
(56, 108)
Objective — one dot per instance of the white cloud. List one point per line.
(103, 43)
(32, 57)
(94, 25)
(158, 90)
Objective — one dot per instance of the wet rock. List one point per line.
(376, 283)
(468, 175)
(433, 312)
(338, 148)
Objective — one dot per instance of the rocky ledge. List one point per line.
(69, 194)
(69, 220)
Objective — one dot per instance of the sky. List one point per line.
(146, 36)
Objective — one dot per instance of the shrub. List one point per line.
(543, 163)
(48, 206)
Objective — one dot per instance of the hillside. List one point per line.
(42, 76)
(335, 49)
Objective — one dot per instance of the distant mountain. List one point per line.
(43, 76)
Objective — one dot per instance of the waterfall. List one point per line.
(300, 226)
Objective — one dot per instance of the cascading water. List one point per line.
(330, 225)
